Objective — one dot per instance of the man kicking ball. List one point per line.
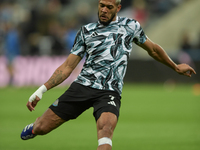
(107, 45)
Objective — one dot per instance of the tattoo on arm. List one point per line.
(57, 78)
(63, 71)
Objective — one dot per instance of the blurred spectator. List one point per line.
(33, 39)
(70, 34)
(198, 43)
(186, 47)
(185, 44)
(189, 51)
(55, 30)
(140, 12)
(12, 47)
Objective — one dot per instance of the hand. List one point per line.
(35, 97)
(31, 105)
(185, 69)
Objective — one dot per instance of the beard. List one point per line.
(105, 23)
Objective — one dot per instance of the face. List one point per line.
(107, 11)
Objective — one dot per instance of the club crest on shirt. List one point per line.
(56, 103)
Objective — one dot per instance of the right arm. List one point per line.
(59, 75)
(63, 71)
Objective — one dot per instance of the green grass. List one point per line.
(151, 118)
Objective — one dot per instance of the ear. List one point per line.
(119, 7)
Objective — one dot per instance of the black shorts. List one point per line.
(79, 98)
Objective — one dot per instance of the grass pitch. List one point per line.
(153, 117)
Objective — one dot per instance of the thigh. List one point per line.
(47, 122)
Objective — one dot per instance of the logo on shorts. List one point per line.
(112, 103)
(56, 103)
(111, 97)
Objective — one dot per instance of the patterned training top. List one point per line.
(107, 49)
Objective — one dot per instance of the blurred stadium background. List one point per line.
(36, 36)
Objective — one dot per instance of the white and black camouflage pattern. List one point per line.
(107, 49)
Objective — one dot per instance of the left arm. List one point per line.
(159, 54)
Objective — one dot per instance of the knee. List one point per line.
(106, 125)
(106, 131)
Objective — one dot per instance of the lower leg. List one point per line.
(104, 147)
(43, 125)
(47, 122)
(105, 128)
